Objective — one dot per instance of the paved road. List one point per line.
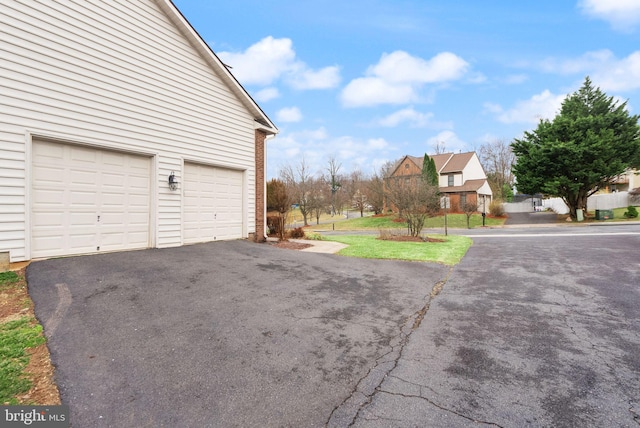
(530, 330)
(535, 327)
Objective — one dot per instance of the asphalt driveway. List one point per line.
(535, 327)
(223, 334)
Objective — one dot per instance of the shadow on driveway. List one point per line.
(221, 334)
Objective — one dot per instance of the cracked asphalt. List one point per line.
(526, 331)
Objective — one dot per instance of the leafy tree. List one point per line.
(429, 171)
(590, 141)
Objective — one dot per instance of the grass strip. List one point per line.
(448, 252)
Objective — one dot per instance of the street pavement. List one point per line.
(530, 330)
(535, 327)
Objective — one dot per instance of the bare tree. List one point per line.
(299, 181)
(497, 159)
(439, 148)
(415, 199)
(318, 198)
(355, 190)
(375, 189)
(333, 179)
(469, 208)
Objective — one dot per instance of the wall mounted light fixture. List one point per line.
(173, 184)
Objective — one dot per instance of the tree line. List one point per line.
(591, 140)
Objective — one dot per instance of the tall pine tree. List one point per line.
(429, 172)
(591, 140)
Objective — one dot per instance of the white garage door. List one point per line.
(87, 200)
(212, 203)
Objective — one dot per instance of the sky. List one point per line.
(369, 81)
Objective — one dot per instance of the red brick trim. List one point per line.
(260, 137)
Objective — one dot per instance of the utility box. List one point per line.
(604, 214)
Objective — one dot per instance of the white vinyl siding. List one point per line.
(115, 74)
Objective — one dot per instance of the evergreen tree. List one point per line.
(589, 142)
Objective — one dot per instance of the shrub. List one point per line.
(631, 212)
(313, 236)
(273, 223)
(297, 233)
(496, 209)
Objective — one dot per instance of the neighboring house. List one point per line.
(100, 103)
(626, 181)
(461, 176)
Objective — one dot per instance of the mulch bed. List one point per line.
(289, 245)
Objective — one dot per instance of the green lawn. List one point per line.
(449, 252)
(454, 221)
(17, 335)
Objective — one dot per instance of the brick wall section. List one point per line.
(260, 235)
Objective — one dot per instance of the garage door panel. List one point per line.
(88, 183)
(213, 208)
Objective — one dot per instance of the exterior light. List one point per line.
(173, 184)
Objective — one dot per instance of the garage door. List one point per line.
(87, 200)
(212, 203)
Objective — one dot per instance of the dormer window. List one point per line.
(450, 180)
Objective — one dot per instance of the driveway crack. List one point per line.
(348, 411)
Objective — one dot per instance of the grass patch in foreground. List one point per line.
(15, 338)
(449, 252)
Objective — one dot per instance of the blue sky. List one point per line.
(371, 81)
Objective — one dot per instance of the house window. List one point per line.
(450, 180)
(463, 201)
(406, 166)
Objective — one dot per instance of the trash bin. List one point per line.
(604, 214)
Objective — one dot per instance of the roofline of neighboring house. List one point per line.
(262, 120)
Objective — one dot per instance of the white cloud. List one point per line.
(267, 94)
(412, 118)
(398, 77)
(263, 62)
(400, 67)
(623, 15)
(271, 59)
(377, 144)
(585, 63)
(326, 78)
(289, 114)
(540, 106)
(619, 75)
(451, 142)
(605, 69)
(369, 91)
(407, 115)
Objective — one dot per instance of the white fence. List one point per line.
(604, 201)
